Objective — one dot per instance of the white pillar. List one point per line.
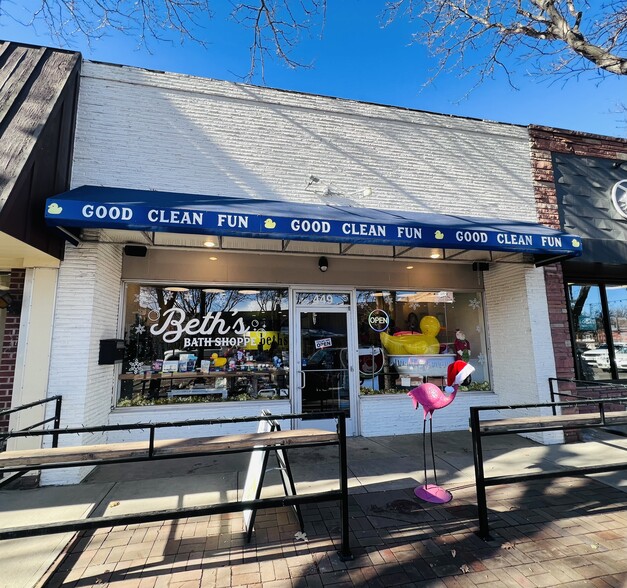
(521, 346)
(33, 352)
(87, 308)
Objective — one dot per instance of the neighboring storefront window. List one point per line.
(599, 315)
(407, 337)
(204, 344)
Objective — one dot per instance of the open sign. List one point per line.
(322, 343)
(378, 320)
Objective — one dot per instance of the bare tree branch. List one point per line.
(467, 37)
(563, 35)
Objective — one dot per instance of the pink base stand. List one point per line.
(433, 493)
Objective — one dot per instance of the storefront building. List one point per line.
(581, 183)
(234, 248)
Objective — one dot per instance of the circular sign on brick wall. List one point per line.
(619, 197)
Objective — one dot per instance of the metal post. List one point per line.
(553, 408)
(477, 452)
(151, 443)
(345, 550)
(57, 421)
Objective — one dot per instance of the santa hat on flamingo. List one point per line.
(456, 373)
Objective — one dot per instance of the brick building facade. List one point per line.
(561, 195)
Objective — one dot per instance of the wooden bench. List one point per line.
(153, 449)
(531, 424)
(141, 450)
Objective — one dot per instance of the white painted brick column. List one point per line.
(88, 298)
(520, 337)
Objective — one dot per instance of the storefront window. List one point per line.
(599, 311)
(204, 344)
(407, 337)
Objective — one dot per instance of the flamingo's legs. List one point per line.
(424, 448)
(435, 475)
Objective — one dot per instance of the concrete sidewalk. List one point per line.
(567, 532)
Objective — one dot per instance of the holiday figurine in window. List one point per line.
(462, 346)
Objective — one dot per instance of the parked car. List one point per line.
(603, 361)
(592, 355)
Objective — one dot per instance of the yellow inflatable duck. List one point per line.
(424, 343)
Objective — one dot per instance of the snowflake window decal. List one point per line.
(167, 295)
(139, 329)
(474, 303)
(135, 366)
(144, 298)
(481, 358)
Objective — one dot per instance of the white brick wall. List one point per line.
(394, 414)
(159, 131)
(520, 337)
(182, 412)
(86, 312)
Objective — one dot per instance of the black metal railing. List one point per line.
(340, 495)
(606, 387)
(480, 429)
(55, 419)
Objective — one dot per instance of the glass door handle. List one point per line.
(302, 379)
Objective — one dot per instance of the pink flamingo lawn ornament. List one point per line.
(432, 398)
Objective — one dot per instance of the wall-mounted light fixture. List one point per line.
(10, 302)
(315, 184)
(363, 192)
(135, 250)
(480, 266)
(323, 264)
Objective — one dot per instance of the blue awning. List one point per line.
(144, 210)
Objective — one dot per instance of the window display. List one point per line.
(599, 312)
(408, 337)
(193, 344)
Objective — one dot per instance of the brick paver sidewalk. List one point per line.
(566, 532)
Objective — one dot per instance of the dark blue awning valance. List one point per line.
(143, 210)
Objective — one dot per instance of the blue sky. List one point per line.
(358, 59)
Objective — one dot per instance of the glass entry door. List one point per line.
(324, 368)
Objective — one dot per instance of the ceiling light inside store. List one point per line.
(176, 289)
(248, 291)
(410, 267)
(213, 258)
(435, 255)
(213, 290)
(209, 243)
